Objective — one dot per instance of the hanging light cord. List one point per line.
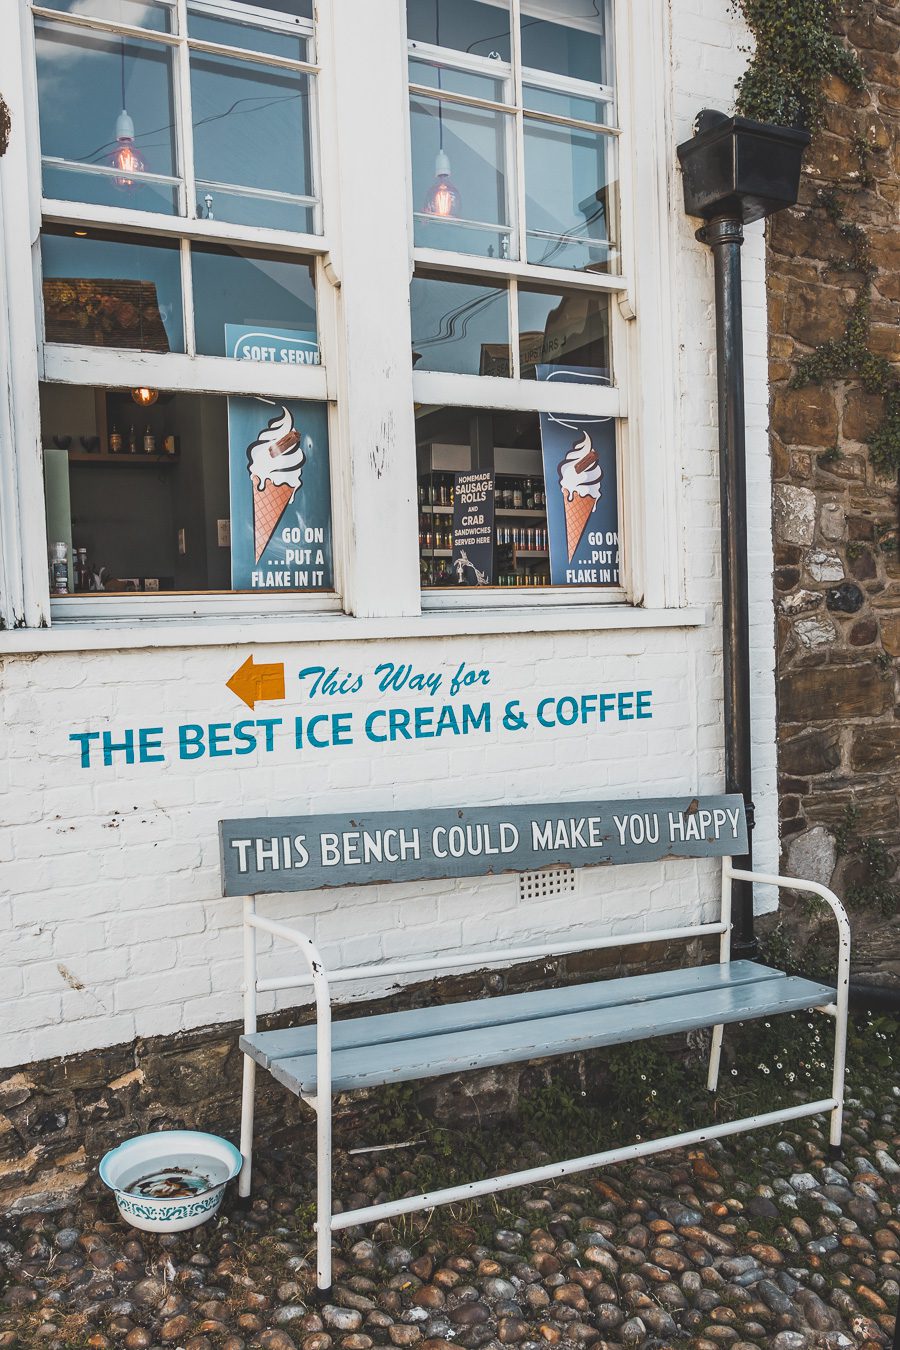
(437, 43)
(123, 74)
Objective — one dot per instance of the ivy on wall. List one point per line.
(796, 51)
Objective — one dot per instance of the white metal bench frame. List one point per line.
(327, 1222)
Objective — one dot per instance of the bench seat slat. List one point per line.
(540, 1038)
(268, 1046)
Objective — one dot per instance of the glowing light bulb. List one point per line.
(144, 396)
(125, 158)
(442, 198)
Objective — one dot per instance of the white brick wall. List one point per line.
(109, 885)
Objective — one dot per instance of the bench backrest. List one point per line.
(302, 853)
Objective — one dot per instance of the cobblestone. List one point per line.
(699, 1251)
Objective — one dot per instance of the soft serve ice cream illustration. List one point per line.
(275, 463)
(579, 481)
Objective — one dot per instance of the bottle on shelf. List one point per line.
(149, 442)
(115, 441)
(82, 575)
(529, 495)
(518, 495)
(59, 569)
(132, 440)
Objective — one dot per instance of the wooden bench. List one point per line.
(315, 1062)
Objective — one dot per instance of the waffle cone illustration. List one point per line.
(269, 503)
(580, 475)
(275, 464)
(578, 510)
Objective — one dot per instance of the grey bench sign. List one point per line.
(301, 853)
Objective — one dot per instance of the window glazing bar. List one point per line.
(108, 171)
(464, 61)
(177, 227)
(266, 194)
(467, 100)
(560, 120)
(251, 57)
(501, 268)
(107, 26)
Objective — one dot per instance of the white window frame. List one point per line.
(365, 334)
(436, 389)
(189, 371)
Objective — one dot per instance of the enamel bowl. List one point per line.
(171, 1180)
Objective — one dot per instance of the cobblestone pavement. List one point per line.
(760, 1242)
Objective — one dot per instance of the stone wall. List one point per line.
(837, 577)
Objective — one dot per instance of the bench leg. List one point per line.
(247, 1105)
(715, 1058)
(837, 1084)
(323, 1194)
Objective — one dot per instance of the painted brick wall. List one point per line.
(110, 886)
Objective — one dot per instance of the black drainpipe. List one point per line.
(736, 171)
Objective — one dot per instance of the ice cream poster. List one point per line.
(280, 495)
(579, 456)
(278, 346)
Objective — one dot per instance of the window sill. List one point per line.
(214, 631)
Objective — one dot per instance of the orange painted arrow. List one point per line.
(254, 684)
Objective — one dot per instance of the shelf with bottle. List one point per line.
(435, 537)
(436, 493)
(519, 495)
(430, 509)
(524, 513)
(517, 579)
(526, 538)
(136, 460)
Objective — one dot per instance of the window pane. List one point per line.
(464, 25)
(460, 326)
(103, 290)
(507, 446)
(474, 84)
(563, 328)
(146, 515)
(254, 306)
(234, 33)
(547, 501)
(460, 188)
(251, 132)
(572, 44)
(107, 110)
(156, 15)
(569, 197)
(569, 105)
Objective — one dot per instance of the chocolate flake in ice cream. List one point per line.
(579, 481)
(275, 463)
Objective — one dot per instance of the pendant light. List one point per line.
(124, 157)
(442, 198)
(145, 397)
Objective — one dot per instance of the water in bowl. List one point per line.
(170, 1183)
